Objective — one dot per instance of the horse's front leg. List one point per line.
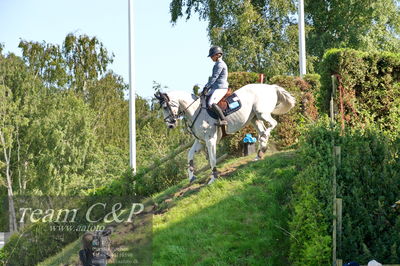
(212, 157)
(196, 147)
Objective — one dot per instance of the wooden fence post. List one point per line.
(332, 101)
(337, 210)
(337, 202)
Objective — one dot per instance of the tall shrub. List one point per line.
(368, 181)
(370, 85)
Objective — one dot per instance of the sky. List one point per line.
(174, 56)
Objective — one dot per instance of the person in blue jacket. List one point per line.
(217, 85)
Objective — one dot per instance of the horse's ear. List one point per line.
(165, 96)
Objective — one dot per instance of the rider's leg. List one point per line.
(214, 99)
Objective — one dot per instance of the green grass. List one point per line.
(242, 219)
(239, 220)
(68, 254)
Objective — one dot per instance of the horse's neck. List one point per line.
(189, 105)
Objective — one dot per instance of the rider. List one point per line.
(217, 86)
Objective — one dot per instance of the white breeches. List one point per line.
(217, 96)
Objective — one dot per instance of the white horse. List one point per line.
(258, 101)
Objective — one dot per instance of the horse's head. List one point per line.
(170, 109)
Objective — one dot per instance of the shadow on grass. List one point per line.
(244, 223)
(240, 220)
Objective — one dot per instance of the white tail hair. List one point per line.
(285, 101)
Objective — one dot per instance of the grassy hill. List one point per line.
(242, 219)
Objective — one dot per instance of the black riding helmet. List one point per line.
(215, 50)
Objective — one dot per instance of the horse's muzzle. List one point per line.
(171, 125)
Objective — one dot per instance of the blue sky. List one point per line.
(175, 56)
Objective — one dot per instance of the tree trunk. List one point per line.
(7, 155)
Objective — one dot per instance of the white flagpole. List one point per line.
(132, 117)
(302, 40)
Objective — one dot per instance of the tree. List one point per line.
(81, 66)
(66, 156)
(86, 60)
(261, 35)
(8, 131)
(106, 98)
(258, 36)
(19, 93)
(46, 62)
(358, 24)
(251, 43)
(80, 60)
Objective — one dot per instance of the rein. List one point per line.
(190, 128)
(172, 117)
(180, 113)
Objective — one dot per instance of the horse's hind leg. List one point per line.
(262, 140)
(196, 147)
(263, 131)
(272, 122)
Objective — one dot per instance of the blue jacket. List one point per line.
(219, 78)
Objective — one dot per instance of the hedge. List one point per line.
(371, 87)
(369, 176)
(368, 182)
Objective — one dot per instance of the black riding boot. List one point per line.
(220, 114)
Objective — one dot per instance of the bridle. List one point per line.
(164, 99)
(172, 117)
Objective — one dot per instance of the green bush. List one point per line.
(291, 125)
(34, 244)
(371, 87)
(368, 181)
(239, 79)
(311, 199)
(368, 178)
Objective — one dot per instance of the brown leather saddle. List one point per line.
(223, 103)
(229, 104)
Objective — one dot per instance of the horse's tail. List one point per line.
(285, 101)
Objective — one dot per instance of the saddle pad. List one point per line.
(234, 104)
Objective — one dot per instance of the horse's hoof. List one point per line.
(256, 159)
(212, 179)
(192, 179)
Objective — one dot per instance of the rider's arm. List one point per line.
(217, 69)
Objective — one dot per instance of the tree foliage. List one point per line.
(258, 36)
(262, 35)
(80, 65)
(79, 61)
(358, 24)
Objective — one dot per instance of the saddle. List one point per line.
(223, 103)
(229, 104)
